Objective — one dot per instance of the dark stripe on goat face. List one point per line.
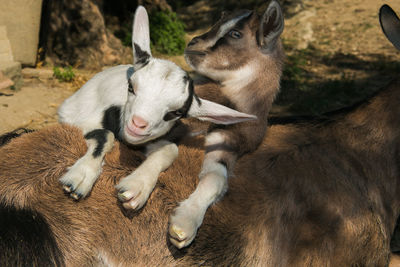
(182, 112)
(241, 16)
(142, 57)
(100, 135)
(112, 120)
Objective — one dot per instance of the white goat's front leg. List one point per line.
(80, 177)
(135, 189)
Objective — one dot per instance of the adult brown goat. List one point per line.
(322, 193)
(314, 194)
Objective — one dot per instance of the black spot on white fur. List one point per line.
(100, 135)
(112, 120)
(182, 112)
(143, 57)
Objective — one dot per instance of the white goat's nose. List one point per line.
(139, 122)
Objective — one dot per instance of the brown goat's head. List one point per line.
(235, 40)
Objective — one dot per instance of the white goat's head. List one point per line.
(390, 24)
(160, 93)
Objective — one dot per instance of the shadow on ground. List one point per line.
(314, 83)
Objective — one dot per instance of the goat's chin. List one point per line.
(137, 140)
(192, 61)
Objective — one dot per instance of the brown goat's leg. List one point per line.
(81, 176)
(189, 215)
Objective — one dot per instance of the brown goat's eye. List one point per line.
(130, 87)
(235, 34)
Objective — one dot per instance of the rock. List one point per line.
(301, 28)
(5, 82)
(22, 20)
(292, 7)
(12, 70)
(77, 36)
(37, 73)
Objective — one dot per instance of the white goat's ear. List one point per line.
(390, 24)
(141, 37)
(210, 111)
(271, 27)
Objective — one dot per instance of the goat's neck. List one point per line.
(234, 82)
(251, 85)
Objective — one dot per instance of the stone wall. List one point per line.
(22, 20)
(10, 70)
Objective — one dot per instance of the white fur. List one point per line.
(233, 81)
(141, 33)
(105, 260)
(160, 89)
(84, 173)
(214, 138)
(188, 216)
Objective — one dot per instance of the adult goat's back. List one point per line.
(320, 193)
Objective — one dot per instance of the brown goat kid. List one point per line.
(243, 56)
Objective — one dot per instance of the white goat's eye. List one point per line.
(235, 34)
(130, 87)
(174, 114)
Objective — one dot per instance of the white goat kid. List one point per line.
(139, 104)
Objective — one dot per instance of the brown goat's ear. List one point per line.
(271, 26)
(390, 24)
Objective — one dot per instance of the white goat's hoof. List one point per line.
(79, 180)
(183, 227)
(132, 193)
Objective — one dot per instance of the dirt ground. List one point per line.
(34, 106)
(349, 29)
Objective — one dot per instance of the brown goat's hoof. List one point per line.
(178, 237)
(124, 196)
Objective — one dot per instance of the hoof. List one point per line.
(68, 188)
(130, 201)
(75, 195)
(179, 237)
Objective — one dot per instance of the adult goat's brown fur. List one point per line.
(313, 194)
